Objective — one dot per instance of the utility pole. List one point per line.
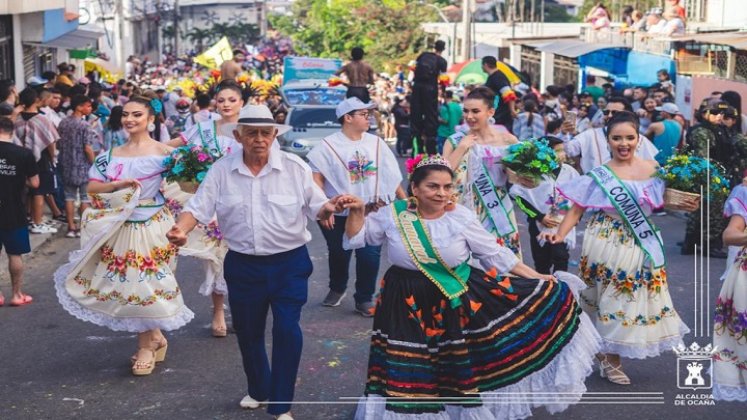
(466, 30)
(176, 28)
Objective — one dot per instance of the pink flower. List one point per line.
(412, 163)
(202, 157)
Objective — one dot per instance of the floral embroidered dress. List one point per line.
(508, 336)
(479, 158)
(627, 298)
(730, 329)
(123, 275)
(205, 241)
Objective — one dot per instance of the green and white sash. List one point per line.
(208, 132)
(626, 204)
(498, 217)
(452, 282)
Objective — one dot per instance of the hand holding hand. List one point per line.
(349, 201)
(176, 236)
(550, 237)
(549, 221)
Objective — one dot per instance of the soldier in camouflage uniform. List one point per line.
(709, 139)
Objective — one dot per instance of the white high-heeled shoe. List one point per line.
(613, 374)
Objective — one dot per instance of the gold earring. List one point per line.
(412, 203)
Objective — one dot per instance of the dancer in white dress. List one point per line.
(476, 157)
(622, 257)
(123, 275)
(206, 241)
(730, 329)
(451, 341)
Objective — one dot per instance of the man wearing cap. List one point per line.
(666, 134)
(709, 139)
(262, 197)
(352, 161)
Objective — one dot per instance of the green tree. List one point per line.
(388, 30)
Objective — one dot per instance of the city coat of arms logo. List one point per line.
(694, 366)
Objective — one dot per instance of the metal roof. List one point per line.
(79, 38)
(736, 40)
(574, 48)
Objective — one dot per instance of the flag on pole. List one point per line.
(215, 55)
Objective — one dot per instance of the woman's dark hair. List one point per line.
(421, 173)
(622, 117)
(115, 119)
(356, 53)
(530, 106)
(144, 101)
(482, 93)
(231, 85)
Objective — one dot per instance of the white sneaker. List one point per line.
(249, 402)
(42, 228)
(285, 416)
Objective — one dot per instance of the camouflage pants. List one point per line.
(711, 233)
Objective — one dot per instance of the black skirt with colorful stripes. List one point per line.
(426, 356)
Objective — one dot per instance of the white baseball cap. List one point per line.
(669, 108)
(36, 81)
(350, 105)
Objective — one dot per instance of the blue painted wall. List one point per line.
(55, 24)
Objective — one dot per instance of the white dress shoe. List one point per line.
(286, 416)
(249, 402)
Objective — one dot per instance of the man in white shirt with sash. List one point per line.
(591, 144)
(352, 161)
(262, 197)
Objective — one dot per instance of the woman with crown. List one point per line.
(205, 242)
(480, 177)
(730, 329)
(446, 333)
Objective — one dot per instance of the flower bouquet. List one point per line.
(188, 165)
(685, 175)
(528, 160)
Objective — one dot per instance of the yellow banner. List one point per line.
(216, 55)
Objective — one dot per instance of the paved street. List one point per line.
(55, 366)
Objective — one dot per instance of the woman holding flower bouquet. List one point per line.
(205, 242)
(622, 258)
(123, 277)
(480, 176)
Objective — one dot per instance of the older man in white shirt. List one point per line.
(262, 197)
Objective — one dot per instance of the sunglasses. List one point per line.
(610, 112)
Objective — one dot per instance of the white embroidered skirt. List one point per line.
(204, 242)
(730, 334)
(628, 300)
(123, 277)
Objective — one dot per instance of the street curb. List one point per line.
(38, 240)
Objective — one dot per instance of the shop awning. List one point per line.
(574, 48)
(736, 40)
(79, 38)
